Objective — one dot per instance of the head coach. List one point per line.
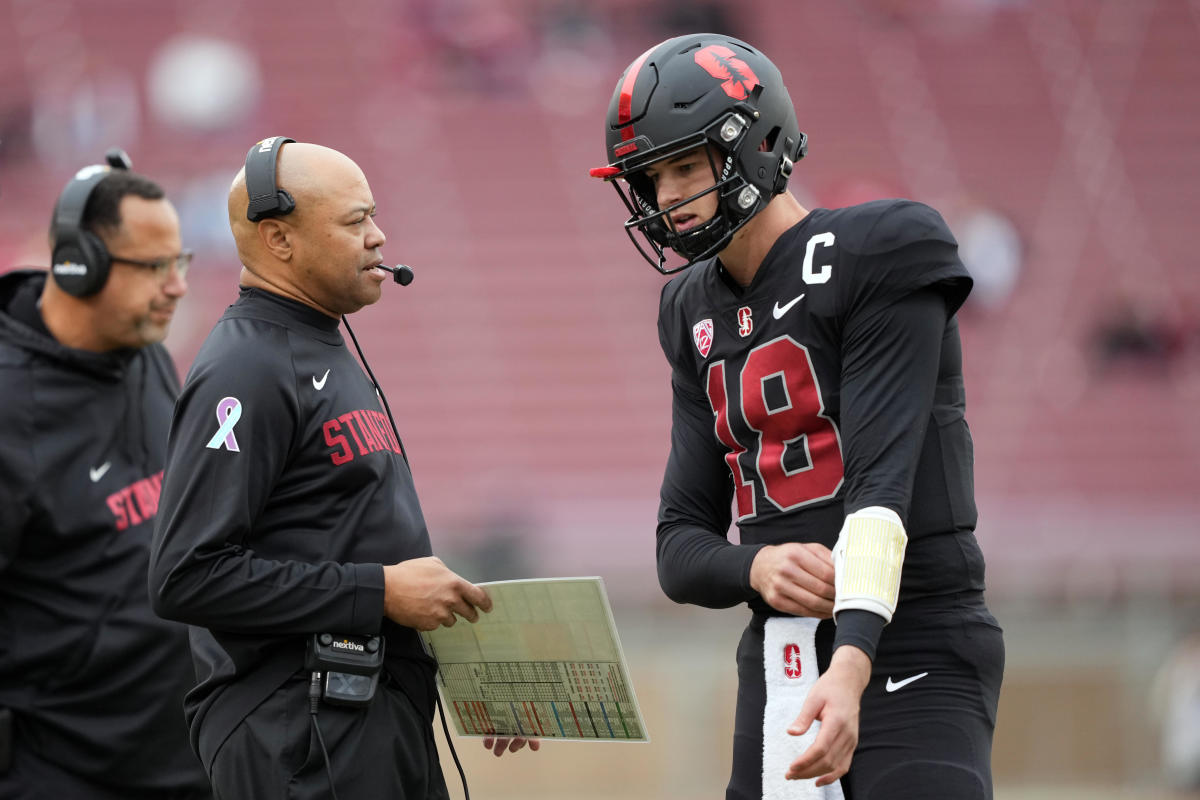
(290, 533)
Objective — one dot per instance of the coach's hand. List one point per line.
(795, 578)
(424, 593)
(834, 700)
(499, 745)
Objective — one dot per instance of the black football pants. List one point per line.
(31, 777)
(386, 750)
(928, 737)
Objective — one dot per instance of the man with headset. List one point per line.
(91, 680)
(291, 535)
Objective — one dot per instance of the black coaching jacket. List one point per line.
(286, 491)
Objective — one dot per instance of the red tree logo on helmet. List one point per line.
(737, 79)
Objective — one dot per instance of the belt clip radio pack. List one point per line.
(351, 666)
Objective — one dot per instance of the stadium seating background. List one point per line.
(523, 365)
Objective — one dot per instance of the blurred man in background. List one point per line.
(91, 680)
(291, 523)
(815, 360)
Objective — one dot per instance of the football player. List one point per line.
(819, 404)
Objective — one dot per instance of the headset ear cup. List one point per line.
(97, 259)
(70, 268)
(86, 251)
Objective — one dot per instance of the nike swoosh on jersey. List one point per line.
(96, 473)
(894, 685)
(320, 384)
(779, 310)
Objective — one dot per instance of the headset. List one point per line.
(80, 261)
(268, 200)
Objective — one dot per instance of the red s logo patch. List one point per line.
(745, 321)
(791, 661)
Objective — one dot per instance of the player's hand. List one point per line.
(834, 700)
(424, 593)
(499, 745)
(795, 578)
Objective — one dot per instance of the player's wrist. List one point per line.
(862, 629)
(852, 663)
(759, 569)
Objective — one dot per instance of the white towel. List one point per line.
(790, 666)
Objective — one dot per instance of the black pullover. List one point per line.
(94, 678)
(285, 492)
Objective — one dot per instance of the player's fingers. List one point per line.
(803, 602)
(821, 759)
(488, 741)
(808, 590)
(837, 761)
(781, 602)
(812, 762)
(803, 721)
(840, 744)
(831, 777)
(798, 608)
(501, 744)
(535, 744)
(809, 572)
(820, 551)
(817, 564)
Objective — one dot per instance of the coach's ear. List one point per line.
(276, 236)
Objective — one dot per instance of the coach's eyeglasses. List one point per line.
(160, 266)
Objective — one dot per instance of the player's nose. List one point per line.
(668, 192)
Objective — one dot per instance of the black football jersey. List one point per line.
(832, 383)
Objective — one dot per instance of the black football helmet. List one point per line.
(686, 92)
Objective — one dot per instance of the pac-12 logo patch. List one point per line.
(702, 332)
(791, 661)
(745, 321)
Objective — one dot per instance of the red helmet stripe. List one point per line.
(625, 106)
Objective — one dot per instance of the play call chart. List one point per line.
(545, 662)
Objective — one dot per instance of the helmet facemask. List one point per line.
(651, 229)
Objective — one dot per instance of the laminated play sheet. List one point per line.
(546, 662)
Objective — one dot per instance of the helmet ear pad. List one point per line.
(81, 263)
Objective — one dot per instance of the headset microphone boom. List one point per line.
(401, 273)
